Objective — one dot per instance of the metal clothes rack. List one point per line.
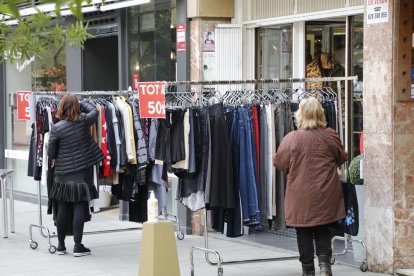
(44, 231)
(347, 238)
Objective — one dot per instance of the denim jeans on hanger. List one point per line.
(234, 216)
(248, 187)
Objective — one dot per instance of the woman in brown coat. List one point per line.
(310, 156)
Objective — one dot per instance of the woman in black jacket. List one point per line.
(75, 154)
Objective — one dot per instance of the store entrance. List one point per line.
(100, 64)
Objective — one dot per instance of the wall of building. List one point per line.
(389, 152)
(262, 9)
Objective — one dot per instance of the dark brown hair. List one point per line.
(69, 108)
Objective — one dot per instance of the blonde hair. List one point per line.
(310, 115)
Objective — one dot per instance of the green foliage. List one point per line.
(354, 171)
(31, 35)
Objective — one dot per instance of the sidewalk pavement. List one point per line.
(118, 253)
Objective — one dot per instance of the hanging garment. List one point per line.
(183, 164)
(31, 164)
(141, 145)
(281, 119)
(190, 193)
(234, 218)
(221, 196)
(115, 125)
(106, 166)
(247, 177)
(270, 171)
(169, 146)
(255, 122)
(266, 206)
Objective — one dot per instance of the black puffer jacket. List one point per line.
(70, 143)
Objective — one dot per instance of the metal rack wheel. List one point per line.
(364, 266)
(52, 249)
(332, 261)
(220, 272)
(33, 245)
(180, 235)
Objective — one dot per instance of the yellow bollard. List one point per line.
(158, 255)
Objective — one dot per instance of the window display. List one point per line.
(152, 42)
(274, 54)
(49, 73)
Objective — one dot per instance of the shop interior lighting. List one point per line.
(123, 4)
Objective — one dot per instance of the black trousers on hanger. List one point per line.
(305, 237)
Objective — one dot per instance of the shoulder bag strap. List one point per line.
(331, 148)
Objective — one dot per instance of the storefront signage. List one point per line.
(23, 110)
(151, 99)
(21, 66)
(377, 11)
(180, 37)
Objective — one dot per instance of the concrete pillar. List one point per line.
(389, 148)
(205, 14)
(3, 114)
(73, 64)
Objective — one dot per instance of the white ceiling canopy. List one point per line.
(95, 5)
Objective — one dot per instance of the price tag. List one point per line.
(151, 99)
(23, 110)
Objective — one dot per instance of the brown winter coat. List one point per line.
(313, 191)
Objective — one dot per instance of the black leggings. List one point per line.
(322, 236)
(64, 212)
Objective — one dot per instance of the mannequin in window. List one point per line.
(324, 65)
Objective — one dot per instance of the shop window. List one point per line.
(357, 61)
(153, 42)
(325, 37)
(49, 73)
(274, 52)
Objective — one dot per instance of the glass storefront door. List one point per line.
(152, 42)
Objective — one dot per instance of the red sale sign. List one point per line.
(23, 110)
(151, 99)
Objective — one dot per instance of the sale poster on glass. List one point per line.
(23, 109)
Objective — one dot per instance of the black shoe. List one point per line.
(325, 265)
(61, 249)
(308, 270)
(80, 251)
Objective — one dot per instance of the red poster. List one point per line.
(135, 80)
(180, 37)
(23, 110)
(151, 99)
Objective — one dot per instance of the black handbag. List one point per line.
(349, 224)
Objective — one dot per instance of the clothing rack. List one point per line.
(44, 231)
(207, 251)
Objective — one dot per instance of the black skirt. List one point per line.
(74, 187)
